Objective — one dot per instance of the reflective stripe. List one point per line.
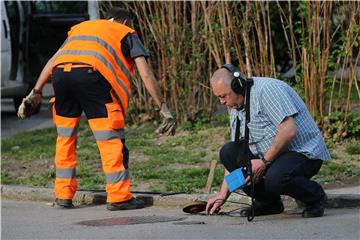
(101, 58)
(66, 132)
(117, 176)
(105, 45)
(64, 43)
(109, 134)
(65, 173)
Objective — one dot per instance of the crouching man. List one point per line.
(286, 147)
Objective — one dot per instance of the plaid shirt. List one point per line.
(271, 101)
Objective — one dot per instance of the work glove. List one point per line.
(29, 104)
(168, 125)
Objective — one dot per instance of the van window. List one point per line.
(13, 14)
(49, 24)
(59, 7)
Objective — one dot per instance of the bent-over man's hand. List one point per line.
(168, 125)
(29, 104)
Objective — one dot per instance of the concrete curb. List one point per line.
(336, 199)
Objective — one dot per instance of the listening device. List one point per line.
(235, 179)
(238, 82)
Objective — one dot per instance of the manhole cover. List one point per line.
(130, 220)
(189, 223)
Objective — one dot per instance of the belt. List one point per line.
(68, 66)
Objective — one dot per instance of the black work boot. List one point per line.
(261, 209)
(64, 203)
(128, 205)
(315, 209)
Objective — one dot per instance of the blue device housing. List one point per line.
(235, 180)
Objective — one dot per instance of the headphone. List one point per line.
(238, 82)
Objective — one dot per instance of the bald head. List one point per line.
(221, 76)
(221, 87)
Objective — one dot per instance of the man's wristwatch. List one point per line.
(266, 162)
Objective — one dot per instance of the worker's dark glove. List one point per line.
(168, 125)
(29, 104)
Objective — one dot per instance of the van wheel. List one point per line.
(17, 102)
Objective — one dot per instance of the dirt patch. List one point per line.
(136, 157)
(161, 139)
(144, 186)
(340, 155)
(179, 166)
(348, 182)
(17, 168)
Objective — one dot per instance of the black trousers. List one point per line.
(290, 174)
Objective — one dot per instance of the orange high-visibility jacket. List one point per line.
(98, 43)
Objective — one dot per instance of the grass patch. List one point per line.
(177, 163)
(157, 163)
(332, 171)
(30, 145)
(353, 148)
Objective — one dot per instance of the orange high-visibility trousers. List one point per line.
(106, 120)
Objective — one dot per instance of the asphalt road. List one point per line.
(38, 220)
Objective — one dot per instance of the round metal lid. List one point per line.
(195, 207)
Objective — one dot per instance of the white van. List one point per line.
(31, 32)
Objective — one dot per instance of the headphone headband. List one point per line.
(234, 70)
(238, 82)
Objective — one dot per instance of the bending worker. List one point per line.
(92, 72)
(285, 144)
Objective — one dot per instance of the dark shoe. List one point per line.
(64, 203)
(261, 209)
(316, 209)
(128, 205)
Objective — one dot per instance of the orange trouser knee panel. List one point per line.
(111, 155)
(65, 156)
